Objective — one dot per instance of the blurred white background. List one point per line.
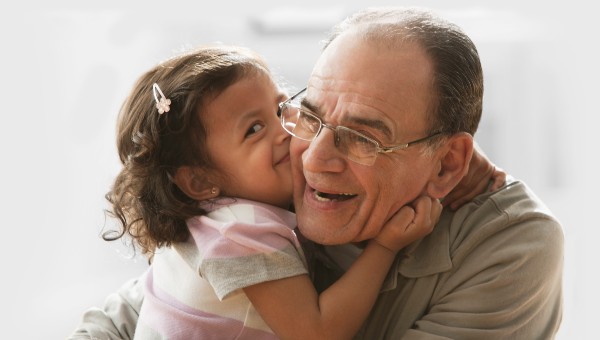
(66, 68)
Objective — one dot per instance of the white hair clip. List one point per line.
(162, 103)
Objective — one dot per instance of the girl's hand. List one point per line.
(481, 172)
(410, 224)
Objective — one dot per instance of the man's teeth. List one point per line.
(325, 197)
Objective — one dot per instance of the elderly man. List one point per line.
(388, 115)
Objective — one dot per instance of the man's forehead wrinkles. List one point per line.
(355, 91)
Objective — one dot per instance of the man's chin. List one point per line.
(324, 236)
(327, 221)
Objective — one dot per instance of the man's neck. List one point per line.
(344, 255)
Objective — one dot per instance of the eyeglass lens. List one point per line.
(305, 126)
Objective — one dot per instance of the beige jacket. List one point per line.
(491, 270)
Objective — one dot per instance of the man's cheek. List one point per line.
(297, 146)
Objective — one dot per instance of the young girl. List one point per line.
(204, 191)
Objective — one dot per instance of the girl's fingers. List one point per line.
(498, 179)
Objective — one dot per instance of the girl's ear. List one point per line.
(194, 182)
(453, 165)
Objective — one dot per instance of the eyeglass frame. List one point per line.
(378, 147)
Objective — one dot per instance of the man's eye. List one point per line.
(310, 125)
(368, 134)
(254, 129)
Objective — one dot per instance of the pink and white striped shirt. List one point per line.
(193, 290)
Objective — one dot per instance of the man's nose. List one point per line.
(336, 138)
(322, 154)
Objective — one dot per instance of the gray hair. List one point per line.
(458, 77)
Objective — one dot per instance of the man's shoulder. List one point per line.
(512, 212)
(515, 202)
(512, 215)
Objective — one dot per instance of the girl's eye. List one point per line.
(254, 129)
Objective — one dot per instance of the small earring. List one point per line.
(213, 190)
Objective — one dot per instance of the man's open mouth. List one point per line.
(327, 197)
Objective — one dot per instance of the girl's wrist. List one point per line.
(379, 244)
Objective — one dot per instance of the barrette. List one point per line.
(162, 103)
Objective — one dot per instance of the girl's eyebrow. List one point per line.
(250, 115)
(376, 124)
(245, 118)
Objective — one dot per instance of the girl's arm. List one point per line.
(294, 310)
(481, 173)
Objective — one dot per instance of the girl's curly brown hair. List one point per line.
(144, 198)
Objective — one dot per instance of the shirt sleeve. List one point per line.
(244, 254)
(118, 317)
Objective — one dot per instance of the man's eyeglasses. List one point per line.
(359, 148)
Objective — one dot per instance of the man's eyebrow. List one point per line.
(372, 123)
(311, 107)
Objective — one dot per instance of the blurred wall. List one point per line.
(67, 67)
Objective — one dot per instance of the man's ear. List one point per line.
(453, 165)
(195, 183)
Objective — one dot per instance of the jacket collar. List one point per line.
(428, 256)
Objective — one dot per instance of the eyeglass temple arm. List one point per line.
(280, 106)
(404, 146)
